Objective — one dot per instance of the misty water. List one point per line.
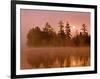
(55, 57)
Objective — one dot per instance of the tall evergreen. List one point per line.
(68, 31)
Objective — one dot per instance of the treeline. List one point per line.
(46, 36)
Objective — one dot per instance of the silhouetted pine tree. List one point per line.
(85, 36)
(61, 34)
(68, 31)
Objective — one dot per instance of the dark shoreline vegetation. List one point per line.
(47, 37)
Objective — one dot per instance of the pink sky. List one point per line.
(31, 18)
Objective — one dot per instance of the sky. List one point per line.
(31, 18)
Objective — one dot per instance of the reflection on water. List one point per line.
(55, 57)
(69, 61)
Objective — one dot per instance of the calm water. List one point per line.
(55, 57)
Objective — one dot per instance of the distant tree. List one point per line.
(30, 37)
(76, 39)
(85, 38)
(88, 40)
(84, 29)
(47, 27)
(61, 34)
(68, 31)
(34, 37)
(61, 25)
(48, 35)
